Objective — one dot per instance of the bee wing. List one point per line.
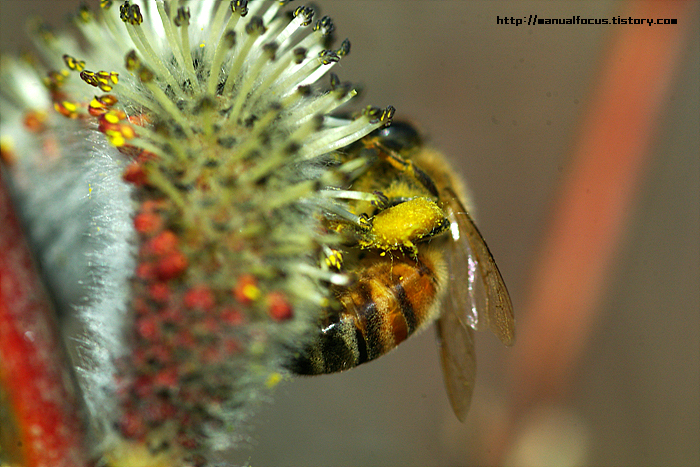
(475, 281)
(456, 341)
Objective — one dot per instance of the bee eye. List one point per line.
(399, 136)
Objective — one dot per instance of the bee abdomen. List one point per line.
(390, 301)
(340, 346)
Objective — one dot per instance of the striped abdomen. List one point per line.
(391, 299)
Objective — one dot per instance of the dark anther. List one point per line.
(132, 61)
(381, 201)
(325, 25)
(304, 90)
(130, 14)
(182, 16)
(146, 75)
(89, 77)
(342, 90)
(299, 54)
(306, 12)
(318, 121)
(255, 26)
(250, 121)
(335, 81)
(84, 13)
(292, 148)
(328, 56)
(206, 103)
(135, 16)
(271, 49)
(124, 11)
(373, 113)
(344, 48)
(226, 142)
(388, 114)
(240, 7)
(364, 222)
(230, 38)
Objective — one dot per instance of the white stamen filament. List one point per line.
(187, 54)
(324, 275)
(215, 30)
(169, 107)
(348, 194)
(149, 56)
(241, 55)
(321, 106)
(248, 83)
(175, 44)
(335, 138)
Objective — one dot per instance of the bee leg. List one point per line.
(408, 167)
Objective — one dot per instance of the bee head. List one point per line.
(399, 136)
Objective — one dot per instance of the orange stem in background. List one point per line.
(609, 163)
(589, 221)
(39, 416)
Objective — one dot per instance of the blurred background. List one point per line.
(511, 106)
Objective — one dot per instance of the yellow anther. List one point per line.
(89, 77)
(132, 61)
(107, 76)
(364, 222)
(127, 132)
(108, 100)
(7, 143)
(251, 292)
(112, 117)
(146, 75)
(335, 259)
(7, 150)
(55, 79)
(273, 380)
(95, 104)
(73, 64)
(67, 109)
(84, 14)
(116, 138)
(34, 120)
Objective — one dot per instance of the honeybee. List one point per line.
(418, 257)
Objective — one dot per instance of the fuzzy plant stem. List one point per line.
(40, 424)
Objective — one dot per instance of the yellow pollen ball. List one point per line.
(401, 225)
